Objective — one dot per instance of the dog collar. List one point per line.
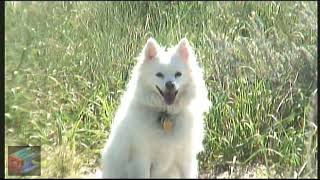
(166, 122)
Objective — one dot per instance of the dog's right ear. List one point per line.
(151, 49)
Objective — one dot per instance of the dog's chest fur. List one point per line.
(153, 129)
(165, 149)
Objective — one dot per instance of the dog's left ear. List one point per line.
(151, 49)
(184, 50)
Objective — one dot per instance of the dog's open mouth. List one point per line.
(168, 96)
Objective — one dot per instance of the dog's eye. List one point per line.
(159, 74)
(178, 74)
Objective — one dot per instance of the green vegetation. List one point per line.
(67, 65)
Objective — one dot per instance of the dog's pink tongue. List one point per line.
(169, 97)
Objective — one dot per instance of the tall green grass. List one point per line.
(67, 65)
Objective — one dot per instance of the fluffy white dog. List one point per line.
(158, 128)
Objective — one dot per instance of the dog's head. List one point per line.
(167, 75)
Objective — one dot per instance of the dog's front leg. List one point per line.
(189, 168)
(139, 167)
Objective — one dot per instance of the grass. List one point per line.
(67, 65)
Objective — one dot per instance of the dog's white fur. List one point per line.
(137, 145)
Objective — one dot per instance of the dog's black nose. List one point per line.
(170, 85)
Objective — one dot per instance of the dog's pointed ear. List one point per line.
(151, 49)
(184, 50)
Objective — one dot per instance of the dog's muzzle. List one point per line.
(169, 94)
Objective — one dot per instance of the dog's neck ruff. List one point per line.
(166, 122)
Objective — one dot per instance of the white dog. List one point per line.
(158, 128)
